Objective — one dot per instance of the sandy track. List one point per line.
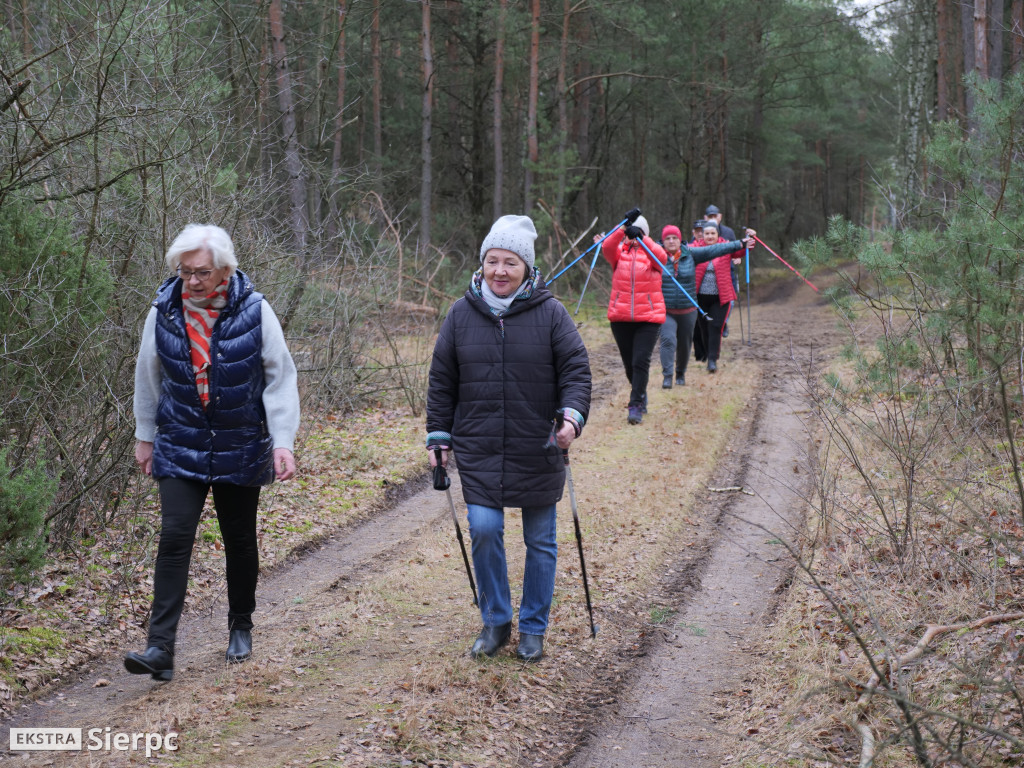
(660, 711)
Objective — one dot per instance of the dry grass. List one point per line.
(861, 593)
(386, 678)
(377, 673)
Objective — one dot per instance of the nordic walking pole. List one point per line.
(443, 483)
(750, 337)
(672, 277)
(576, 524)
(740, 313)
(573, 263)
(773, 253)
(593, 263)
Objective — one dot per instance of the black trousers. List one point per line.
(707, 337)
(181, 506)
(636, 345)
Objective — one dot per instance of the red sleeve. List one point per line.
(610, 246)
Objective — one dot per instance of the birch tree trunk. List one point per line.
(922, 57)
(981, 38)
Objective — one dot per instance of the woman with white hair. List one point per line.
(216, 408)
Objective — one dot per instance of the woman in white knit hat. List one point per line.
(507, 359)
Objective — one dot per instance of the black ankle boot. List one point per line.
(490, 640)
(531, 647)
(239, 646)
(153, 661)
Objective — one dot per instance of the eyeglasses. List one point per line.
(188, 274)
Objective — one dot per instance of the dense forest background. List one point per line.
(357, 151)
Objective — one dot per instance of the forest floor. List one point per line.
(361, 643)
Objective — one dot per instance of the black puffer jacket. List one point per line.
(495, 384)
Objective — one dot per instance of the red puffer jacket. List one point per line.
(723, 275)
(636, 280)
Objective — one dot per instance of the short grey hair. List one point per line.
(211, 237)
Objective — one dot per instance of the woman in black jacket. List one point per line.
(507, 358)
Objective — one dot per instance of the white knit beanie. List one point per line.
(513, 233)
(642, 223)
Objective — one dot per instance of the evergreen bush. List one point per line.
(26, 494)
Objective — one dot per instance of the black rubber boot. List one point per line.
(531, 647)
(490, 640)
(239, 646)
(153, 661)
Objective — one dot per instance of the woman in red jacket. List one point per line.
(636, 307)
(715, 293)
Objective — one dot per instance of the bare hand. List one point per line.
(749, 240)
(566, 434)
(144, 456)
(433, 457)
(284, 464)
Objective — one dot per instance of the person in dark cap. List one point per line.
(713, 213)
(697, 233)
(507, 359)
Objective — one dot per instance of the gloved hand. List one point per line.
(632, 216)
(634, 232)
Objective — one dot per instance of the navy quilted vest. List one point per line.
(228, 442)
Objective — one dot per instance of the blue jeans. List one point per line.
(487, 531)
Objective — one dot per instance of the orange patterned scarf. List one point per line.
(200, 316)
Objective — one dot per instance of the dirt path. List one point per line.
(342, 677)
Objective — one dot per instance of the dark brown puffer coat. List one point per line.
(495, 384)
